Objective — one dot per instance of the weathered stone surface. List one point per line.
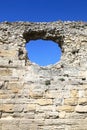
(65, 108)
(31, 107)
(43, 98)
(71, 101)
(8, 54)
(82, 101)
(62, 114)
(74, 93)
(5, 72)
(44, 102)
(35, 94)
(81, 109)
(7, 108)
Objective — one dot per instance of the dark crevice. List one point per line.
(20, 54)
(10, 62)
(44, 35)
(33, 35)
(75, 51)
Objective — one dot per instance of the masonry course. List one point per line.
(33, 97)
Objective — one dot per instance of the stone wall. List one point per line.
(43, 98)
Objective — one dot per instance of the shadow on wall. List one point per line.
(43, 52)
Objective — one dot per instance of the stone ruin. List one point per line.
(33, 97)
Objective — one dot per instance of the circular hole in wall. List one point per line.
(43, 52)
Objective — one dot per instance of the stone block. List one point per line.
(41, 109)
(18, 108)
(5, 72)
(81, 93)
(52, 94)
(8, 53)
(9, 108)
(15, 87)
(29, 115)
(82, 101)
(81, 109)
(51, 115)
(62, 114)
(65, 108)
(10, 127)
(31, 107)
(41, 115)
(44, 102)
(71, 101)
(4, 96)
(35, 94)
(74, 93)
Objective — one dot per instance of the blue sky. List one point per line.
(43, 52)
(43, 11)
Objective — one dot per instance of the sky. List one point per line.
(43, 11)
(44, 52)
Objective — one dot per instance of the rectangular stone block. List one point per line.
(5, 72)
(35, 94)
(4, 96)
(74, 93)
(81, 109)
(82, 101)
(71, 101)
(45, 108)
(15, 87)
(44, 102)
(66, 108)
(18, 108)
(8, 53)
(7, 108)
(30, 107)
(9, 127)
(52, 94)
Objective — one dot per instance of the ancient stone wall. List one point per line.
(43, 98)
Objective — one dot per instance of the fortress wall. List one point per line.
(43, 98)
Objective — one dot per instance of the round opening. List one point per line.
(43, 52)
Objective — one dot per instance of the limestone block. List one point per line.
(74, 93)
(29, 115)
(44, 102)
(8, 53)
(44, 108)
(51, 115)
(65, 108)
(18, 108)
(31, 107)
(41, 115)
(4, 96)
(81, 93)
(62, 114)
(71, 101)
(35, 94)
(82, 101)
(15, 87)
(5, 72)
(52, 94)
(7, 108)
(81, 109)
